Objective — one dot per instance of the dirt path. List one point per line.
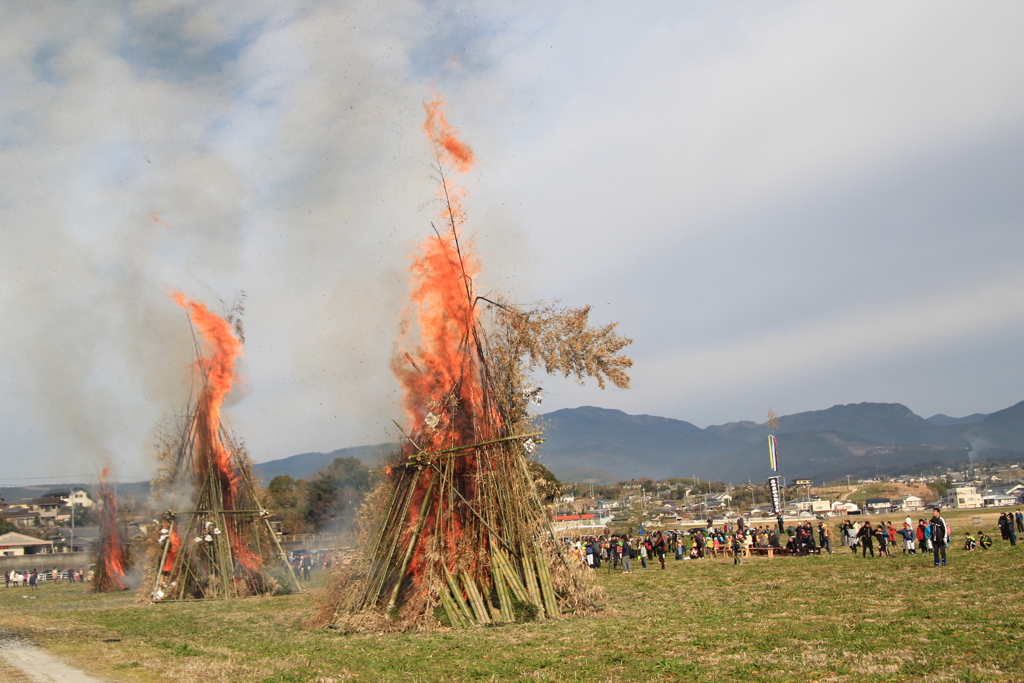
(22, 662)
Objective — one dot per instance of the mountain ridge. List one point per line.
(601, 445)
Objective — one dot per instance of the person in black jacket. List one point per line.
(940, 531)
(866, 536)
(613, 553)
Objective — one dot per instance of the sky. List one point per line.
(787, 205)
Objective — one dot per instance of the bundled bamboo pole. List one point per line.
(467, 612)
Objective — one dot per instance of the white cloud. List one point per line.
(643, 158)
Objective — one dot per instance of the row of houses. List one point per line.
(960, 496)
(968, 496)
(52, 509)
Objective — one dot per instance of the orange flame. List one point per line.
(220, 369)
(172, 550)
(111, 559)
(444, 136)
(443, 378)
(219, 378)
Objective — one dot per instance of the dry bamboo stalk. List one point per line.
(450, 610)
(163, 557)
(511, 578)
(384, 561)
(475, 600)
(504, 599)
(530, 575)
(547, 588)
(457, 595)
(427, 496)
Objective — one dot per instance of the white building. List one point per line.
(908, 503)
(997, 499)
(13, 544)
(963, 497)
(79, 497)
(845, 507)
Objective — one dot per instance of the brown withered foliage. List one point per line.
(560, 341)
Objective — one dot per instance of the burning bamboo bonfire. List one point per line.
(217, 547)
(111, 554)
(455, 534)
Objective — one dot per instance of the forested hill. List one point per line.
(858, 439)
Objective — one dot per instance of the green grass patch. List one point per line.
(838, 618)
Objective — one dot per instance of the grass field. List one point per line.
(838, 618)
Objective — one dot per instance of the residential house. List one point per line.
(845, 507)
(51, 510)
(994, 498)
(962, 496)
(74, 496)
(21, 517)
(811, 504)
(878, 505)
(908, 503)
(717, 501)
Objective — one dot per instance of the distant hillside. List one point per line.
(944, 420)
(12, 493)
(862, 439)
(625, 446)
(308, 464)
(598, 445)
(1001, 429)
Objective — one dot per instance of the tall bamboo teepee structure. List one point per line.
(218, 545)
(455, 534)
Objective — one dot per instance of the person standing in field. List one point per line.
(613, 554)
(1011, 530)
(909, 536)
(1020, 520)
(939, 532)
(659, 547)
(626, 550)
(882, 534)
(825, 536)
(866, 536)
(1003, 526)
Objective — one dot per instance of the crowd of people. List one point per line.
(930, 536)
(304, 562)
(619, 551)
(25, 577)
(927, 536)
